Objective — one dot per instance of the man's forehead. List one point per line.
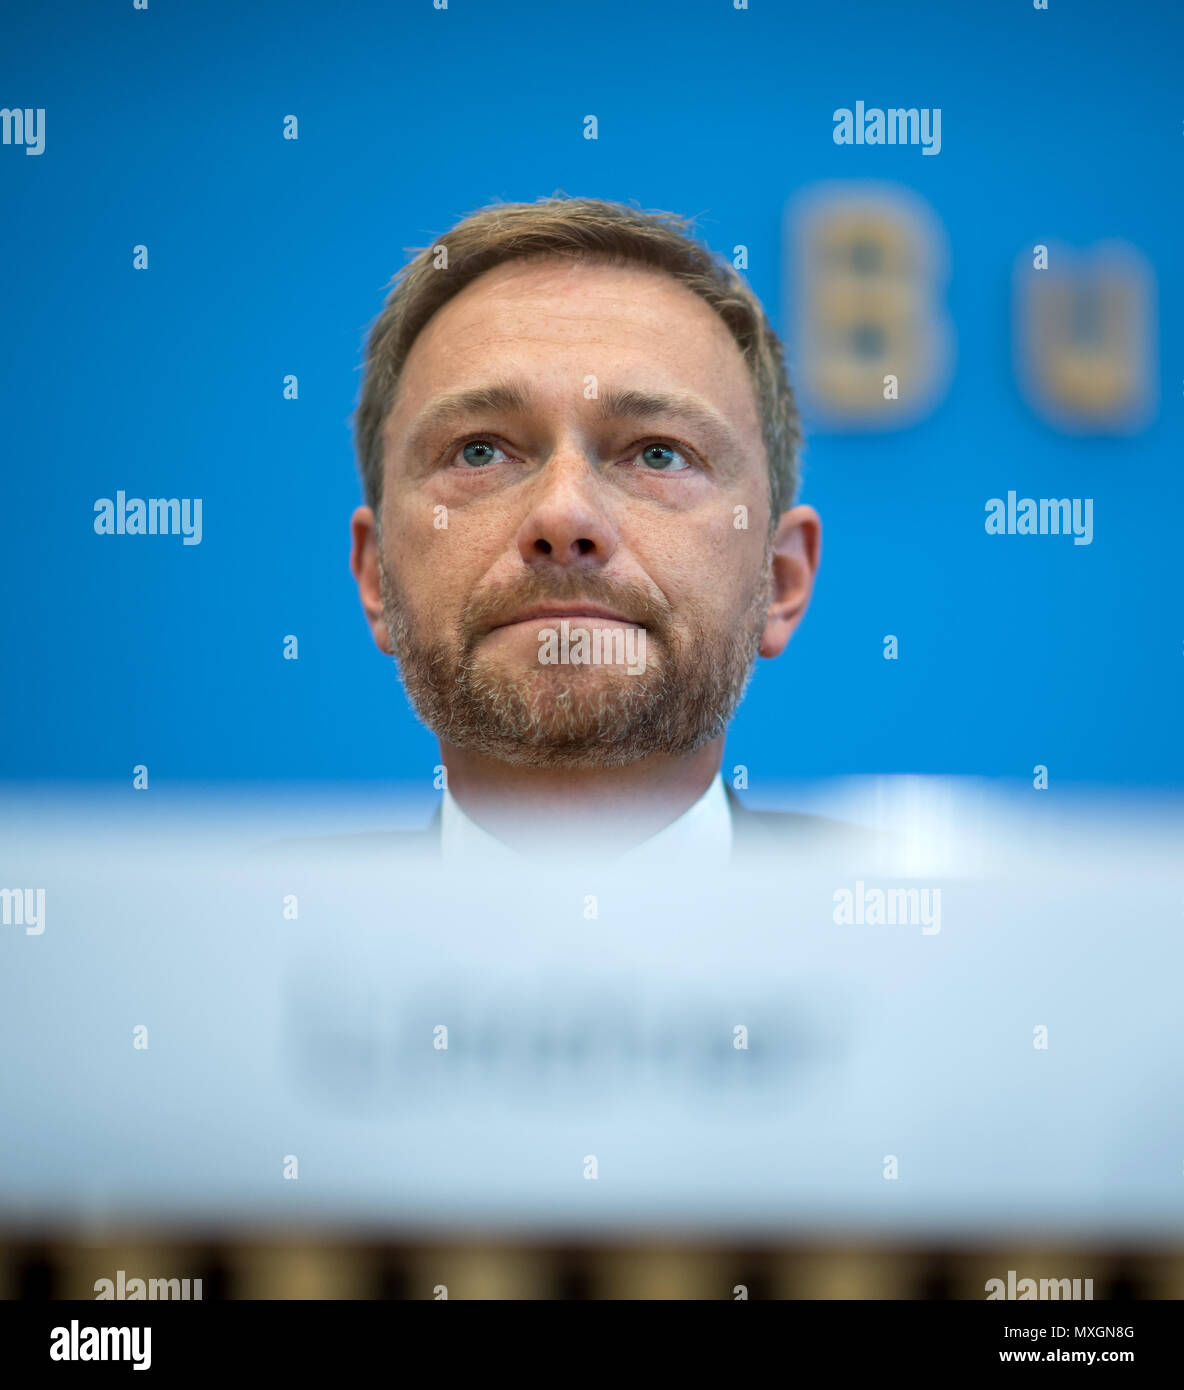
(668, 351)
(529, 306)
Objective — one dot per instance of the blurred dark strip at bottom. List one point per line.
(274, 1265)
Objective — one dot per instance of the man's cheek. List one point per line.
(697, 608)
(414, 592)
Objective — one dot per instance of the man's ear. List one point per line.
(797, 547)
(363, 563)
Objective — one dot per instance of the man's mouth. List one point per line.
(575, 611)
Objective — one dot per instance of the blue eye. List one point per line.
(479, 453)
(663, 458)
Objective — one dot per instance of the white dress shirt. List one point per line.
(701, 836)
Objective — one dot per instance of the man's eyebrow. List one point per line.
(500, 397)
(645, 405)
(509, 398)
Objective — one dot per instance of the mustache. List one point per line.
(483, 612)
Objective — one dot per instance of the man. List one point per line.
(579, 452)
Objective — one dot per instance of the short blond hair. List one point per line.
(581, 229)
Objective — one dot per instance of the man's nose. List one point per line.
(567, 523)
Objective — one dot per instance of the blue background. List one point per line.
(270, 257)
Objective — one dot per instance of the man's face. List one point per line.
(617, 480)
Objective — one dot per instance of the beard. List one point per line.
(576, 716)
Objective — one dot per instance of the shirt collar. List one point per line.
(702, 835)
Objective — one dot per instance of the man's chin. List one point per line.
(557, 688)
(551, 719)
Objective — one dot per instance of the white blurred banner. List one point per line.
(974, 1030)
